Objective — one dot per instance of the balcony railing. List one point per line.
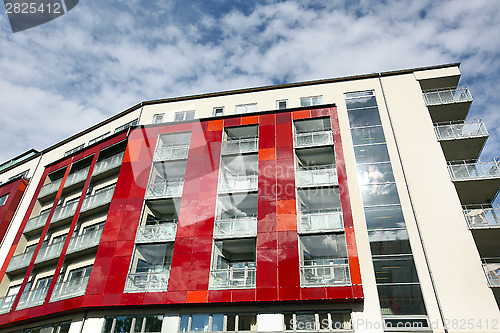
(316, 176)
(466, 170)
(76, 177)
(163, 232)
(162, 190)
(6, 303)
(63, 212)
(31, 298)
(491, 268)
(98, 199)
(453, 131)
(171, 152)
(36, 222)
(309, 139)
(108, 164)
(321, 221)
(447, 96)
(48, 252)
(231, 277)
(85, 241)
(238, 227)
(20, 261)
(50, 188)
(240, 146)
(69, 289)
(147, 282)
(243, 182)
(327, 272)
(480, 216)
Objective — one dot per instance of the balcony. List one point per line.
(316, 176)
(108, 164)
(238, 183)
(491, 268)
(36, 222)
(233, 277)
(50, 188)
(321, 221)
(96, 200)
(20, 261)
(312, 139)
(31, 298)
(6, 303)
(69, 289)
(475, 180)
(162, 232)
(461, 141)
(147, 281)
(171, 152)
(324, 272)
(240, 146)
(237, 227)
(64, 212)
(164, 190)
(448, 104)
(484, 223)
(49, 252)
(76, 177)
(85, 241)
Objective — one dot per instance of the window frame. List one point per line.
(186, 115)
(311, 100)
(210, 322)
(3, 199)
(280, 101)
(158, 118)
(216, 110)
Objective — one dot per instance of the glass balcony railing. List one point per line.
(240, 146)
(325, 272)
(447, 96)
(147, 282)
(321, 221)
(69, 289)
(316, 176)
(84, 241)
(232, 277)
(171, 152)
(237, 227)
(466, 170)
(491, 268)
(20, 261)
(310, 139)
(99, 199)
(31, 298)
(243, 182)
(63, 212)
(49, 188)
(453, 131)
(481, 216)
(48, 252)
(6, 303)
(77, 177)
(36, 222)
(163, 190)
(162, 232)
(108, 164)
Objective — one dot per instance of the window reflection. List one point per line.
(364, 117)
(371, 153)
(383, 242)
(375, 173)
(361, 102)
(399, 269)
(382, 194)
(389, 217)
(367, 135)
(401, 299)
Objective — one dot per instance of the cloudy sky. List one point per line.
(105, 56)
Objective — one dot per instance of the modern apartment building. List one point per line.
(354, 204)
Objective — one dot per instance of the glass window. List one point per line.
(288, 318)
(3, 199)
(371, 153)
(317, 247)
(380, 194)
(389, 217)
(401, 299)
(246, 108)
(199, 322)
(367, 135)
(184, 115)
(158, 118)
(361, 102)
(311, 100)
(281, 104)
(375, 173)
(385, 242)
(247, 323)
(364, 117)
(152, 257)
(305, 322)
(400, 269)
(218, 111)
(217, 323)
(231, 323)
(184, 323)
(179, 116)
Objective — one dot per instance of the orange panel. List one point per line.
(250, 120)
(133, 150)
(216, 125)
(287, 222)
(267, 154)
(286, 207)
(197, 296)
(355, 273)
(301, 114)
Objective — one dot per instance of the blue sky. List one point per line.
(105, 56)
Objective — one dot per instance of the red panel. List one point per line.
(219, 296)
(267, 294)
(243, 295)
(289, 294)
(267, 136)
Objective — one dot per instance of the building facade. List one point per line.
(355, 204)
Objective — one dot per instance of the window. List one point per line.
(311, 100)
(99, 138)
(79, 275)
(3, 199)
(184, 115)
(127, 125)
(218, 323)
(136, 324)
(74, 150)
(158, 118)
(218, 111)
(246, 108)
(322, 321)
(281, 104)
(50, 328)
(19, 175)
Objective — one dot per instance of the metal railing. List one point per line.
(50, 188)
(31, 298)
(147, 281)
(6, 303)
(447, 96)
(79, 176)
(63, 212)
(108, 164)
(48, 252)
(170, 152)
(243, 182)
(36, 222)
(321, 221)
(84, 241)
(164, 189)
(233, 278)
(240, 146)
(99, 199)
(309, 139)
(482, 216)
(162, 232)
(20, 261)
(316, 176)
(238, 227)
(469, 170)
(491, 268)
(334, 272)
(69, 289)
(453, 131)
